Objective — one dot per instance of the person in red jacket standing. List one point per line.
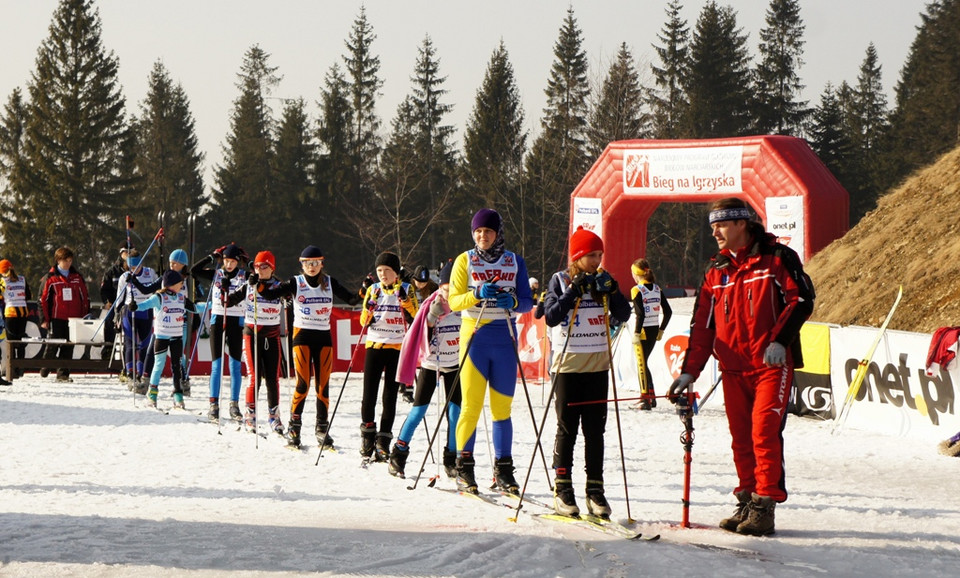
(749, 310)
(64, 295)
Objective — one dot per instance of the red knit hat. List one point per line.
(582, 242)
(5, 265)
(265, 257)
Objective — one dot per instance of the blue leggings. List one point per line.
(426, 384)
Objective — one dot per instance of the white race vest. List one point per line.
(479, 272)
(651, 305)
(312, 305)
(388, 324)
(15, 292)
(589, 329)
(217, 297)
(260, 311)
(446, 340)
(146, 277)
(171, 315)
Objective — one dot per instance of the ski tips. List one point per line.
(432, 482)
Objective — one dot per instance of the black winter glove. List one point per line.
(605, 283)
(582, 282)
(132, 306)
(401, 292)
(253, 279)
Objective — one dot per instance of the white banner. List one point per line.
(896, 397)
(683, 170)
(588, 213)
(785, 220)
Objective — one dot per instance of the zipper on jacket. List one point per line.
(750, 301)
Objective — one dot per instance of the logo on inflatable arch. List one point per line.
(674, 351)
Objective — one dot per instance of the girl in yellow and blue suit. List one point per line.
(488, 284)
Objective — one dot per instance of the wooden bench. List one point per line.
(84, 364)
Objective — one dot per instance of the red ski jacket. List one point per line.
(64, 297)
(747, 302)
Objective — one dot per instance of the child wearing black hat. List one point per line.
(385, 307)
(226, 323)
(171, 306)
(313, 291)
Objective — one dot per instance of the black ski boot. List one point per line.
(739, 515)
(450, 463)
(383, 446)
(407, 394)
(213, 414)
(564, 499)
(398, 459)
(323, 438)
(368, 436)
(596, 502)
(466, 481)
(293, 430)
(503, 472)
(276, 424)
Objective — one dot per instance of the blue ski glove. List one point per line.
(775, 355)
(605, 283)
(486, 291)
(506, 301)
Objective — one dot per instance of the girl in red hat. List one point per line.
(261, 322)
(581, 362)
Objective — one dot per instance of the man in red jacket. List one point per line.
(749, 310)
(64, 295)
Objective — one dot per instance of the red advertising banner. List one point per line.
(345, 331)
(534, 347)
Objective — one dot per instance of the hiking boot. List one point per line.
(383, 446)
(466, 481)
(759, 521)
(213, 414)
(235, 414)
(596, 502)
(368, 437)
(450, 463)
(503, 473)
(398, 460)
(275, 423)
(178, 401)
(564, 500)
(739, 515)
(323, 438)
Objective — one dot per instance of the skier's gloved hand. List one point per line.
(638, 338)
(435, 311)
(506, 300)
(253, 279)
(583, 282)
(401, 292)
(132, 306)
(605, 282)
(775, 355)
(218, 252)
(486, 291)
(372, 303)
(679, 387)
(659, 334)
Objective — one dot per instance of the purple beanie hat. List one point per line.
(486, 218)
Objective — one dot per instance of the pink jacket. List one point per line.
(416, 343)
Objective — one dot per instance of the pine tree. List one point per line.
(719, 83)
(827, 135)
(868, 122)
(778, 83)
(167, 158)
(334, 185)
(618, 113)
(14, 204)
(926, 121)
(244, 182)
(668, 102)
(295, 196)
(493, 146)
(558, 159)
(75, 149)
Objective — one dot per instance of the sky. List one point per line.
(202, 45)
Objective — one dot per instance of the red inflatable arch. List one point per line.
(779, 175)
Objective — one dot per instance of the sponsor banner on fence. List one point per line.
(683, 170)
(785, 220)
(588, 213)
(896, 397)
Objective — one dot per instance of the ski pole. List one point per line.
(223, 368)
(196, 338)
(546, 408)
(256, 367)
(685, 410)
(333, 414)
(526, 393)
(446, 405)
(710, 391)
(616, 404)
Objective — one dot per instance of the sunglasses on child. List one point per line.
(311, 262)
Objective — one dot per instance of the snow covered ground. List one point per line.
(94, 484)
